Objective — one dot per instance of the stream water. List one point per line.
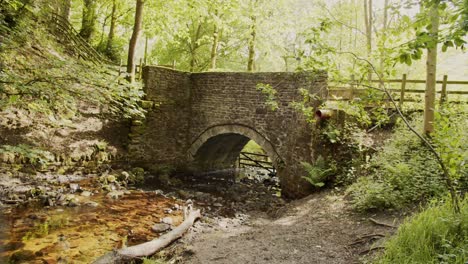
(37, 234)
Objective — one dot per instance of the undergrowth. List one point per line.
(436, 235)
(404, 172)
(40, 81)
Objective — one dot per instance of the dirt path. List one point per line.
(318, 229)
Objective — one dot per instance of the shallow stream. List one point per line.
(37, 234)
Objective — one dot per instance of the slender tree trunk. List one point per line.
(214, 47)
(66, 9)
(194, 48)
(110, 36)
(88, 22)
(253, 34)
(368, 22)
(383, 38)
(134, 39)
(431, 69)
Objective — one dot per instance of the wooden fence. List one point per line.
(65, 31)
(354, 89)
(248, 159)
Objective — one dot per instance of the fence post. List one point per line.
(173, 64)
(402, 91)
(443, 94)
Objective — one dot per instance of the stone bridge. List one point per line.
(201, 121)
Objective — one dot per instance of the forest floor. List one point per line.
(321, 228)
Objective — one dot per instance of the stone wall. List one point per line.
(202, 120)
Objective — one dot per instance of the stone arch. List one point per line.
(219, 146)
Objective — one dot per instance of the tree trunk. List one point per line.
(383, 39)
(88, 21)
(66, 9)
(194, 47)
(253, 34)
(431, 69)
(214, 47)
(368, 22)
(134, 39)
(110, 36)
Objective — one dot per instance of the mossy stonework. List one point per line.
(201, 121)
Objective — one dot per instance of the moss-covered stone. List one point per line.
(146, 104)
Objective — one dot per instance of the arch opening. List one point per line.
(222, 151)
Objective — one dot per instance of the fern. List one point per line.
(317, 173)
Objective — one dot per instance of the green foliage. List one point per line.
(253, 147)
(38, 78)
(436, 235)
(450, 139)
(270, 93)
(318, 172)
(404, 171)
(33, 155)
(304, 106)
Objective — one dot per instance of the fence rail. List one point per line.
(65, 31)
(248, 159)
(353, 90)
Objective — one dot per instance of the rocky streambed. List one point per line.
(77, 218)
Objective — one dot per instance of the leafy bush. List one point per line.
(404, 171)
(436, 235)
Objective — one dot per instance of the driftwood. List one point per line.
(151, 247)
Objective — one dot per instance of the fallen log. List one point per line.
(151, 247)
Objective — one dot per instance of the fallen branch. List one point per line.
(381, 223)
(366, 238)
(151, 247)
(366, 251)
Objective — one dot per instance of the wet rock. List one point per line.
(183, 194)
(49, 261)
(168, 211)
(217, 205)
(160, 227)
(73, 202)
(111, 178)
(22, 256)
(115, 194)
(50, 202)
(167, 220)
(91, 204)
(86, 193)
(74, 187)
